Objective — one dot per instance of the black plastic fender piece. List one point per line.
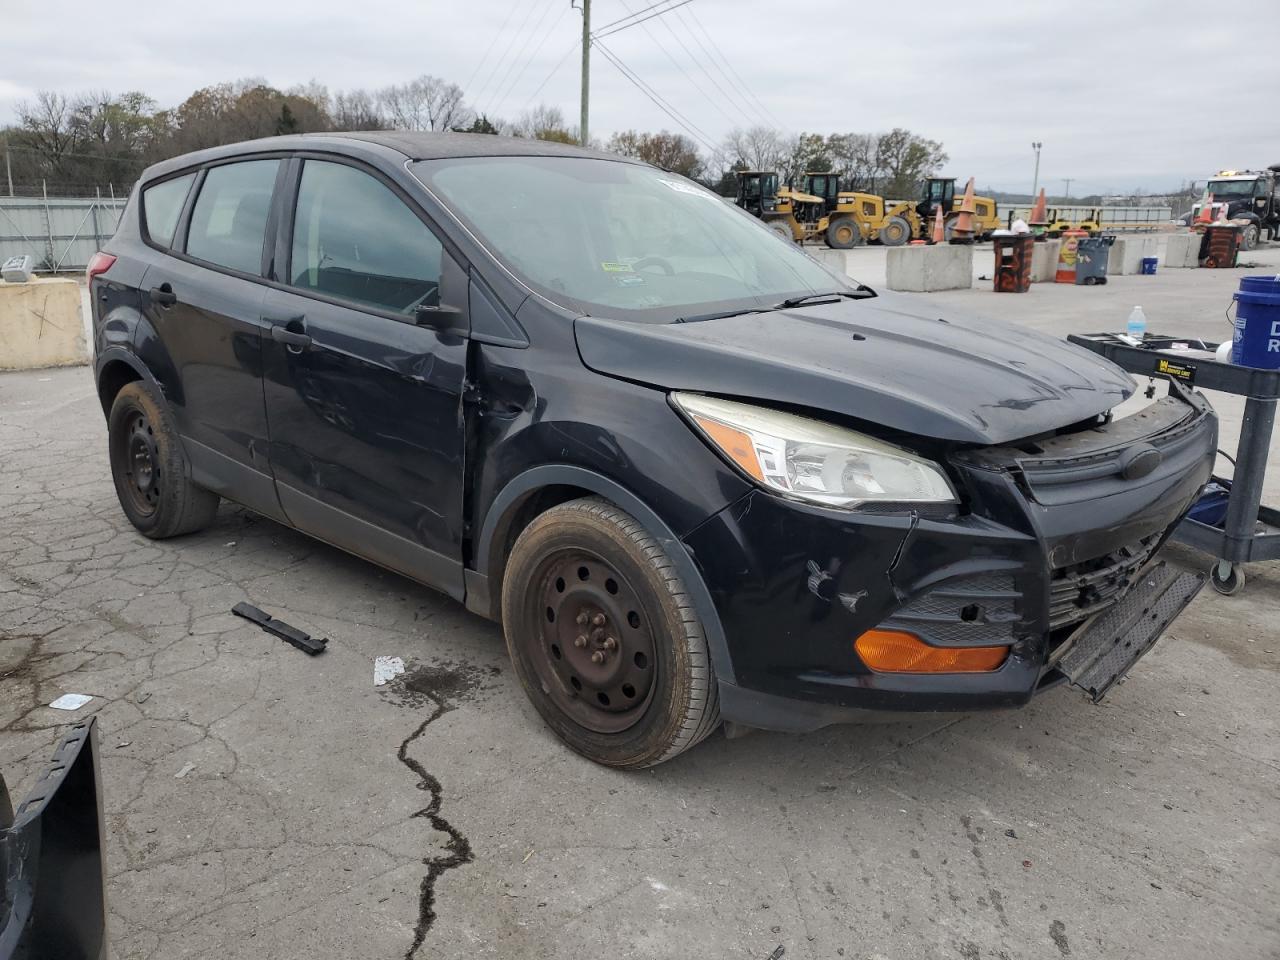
(1107, 647)
(52, 884)
(286, 632)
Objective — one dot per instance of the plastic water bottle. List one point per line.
(1137, 324)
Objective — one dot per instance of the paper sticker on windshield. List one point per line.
(688, 188)
(611, 266)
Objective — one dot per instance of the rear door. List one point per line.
(204, 302)
(363, 394)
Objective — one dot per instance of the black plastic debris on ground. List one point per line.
(303, 641)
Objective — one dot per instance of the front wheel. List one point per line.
(149, 467)
(843, 234)
(604, 638)
(895, 232)
(782, 229)
(1249, 237)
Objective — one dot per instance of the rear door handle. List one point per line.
(294, 342)
(163, 295)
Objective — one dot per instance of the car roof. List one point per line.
(391, 144)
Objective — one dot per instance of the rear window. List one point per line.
(229, 220)
(161, 207)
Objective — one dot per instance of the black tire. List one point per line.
(1249, 236)
(587, 571)
(782, 229)
(843, 233)
(1232, 584)
(895, 232)
(150, 469)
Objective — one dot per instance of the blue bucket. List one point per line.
(1256, 342)
(1149, 265)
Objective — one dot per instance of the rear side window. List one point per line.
(161, 206)
(229, 220)
(354, 239)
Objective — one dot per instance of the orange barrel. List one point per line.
(1013, 262)
(1220, 246)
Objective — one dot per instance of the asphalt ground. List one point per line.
(262, 803)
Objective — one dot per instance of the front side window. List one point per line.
(623, 240)
(354, 239)
(229, 220)
(161, 207)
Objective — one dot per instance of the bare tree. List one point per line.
(670, 151)
(759, 147)
(355, 110)
(543, 122)
(427, 103)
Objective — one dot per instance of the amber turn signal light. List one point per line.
(895, 651)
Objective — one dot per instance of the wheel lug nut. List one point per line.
(582, 619)
(598, 657)
(610, 643)
(579, 641)
(598, 620)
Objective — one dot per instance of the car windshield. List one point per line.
(1222, 189)
(622, 240)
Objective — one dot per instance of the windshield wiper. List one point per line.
(861, 293)
(698, 317)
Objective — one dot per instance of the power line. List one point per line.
(533, 4)
(551, 73)
(692, 82)
(529, 60)
(757, 109)
(693, 15)
(511, 12)
(657, 13)
(614, 23)
(547, 8)
(659, 102)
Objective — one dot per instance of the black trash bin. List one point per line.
(1092, 255)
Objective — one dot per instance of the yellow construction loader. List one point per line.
(792, 214)
(893, 222)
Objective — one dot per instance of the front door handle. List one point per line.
(163, 295)
(294, 342)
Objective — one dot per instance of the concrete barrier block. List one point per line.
(925, 269)
(836, 260)
(40, 324)
(1182, 250)
(1044, 261)
(1127, 253)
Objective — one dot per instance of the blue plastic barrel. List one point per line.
(1256, 342)
(1149, 265)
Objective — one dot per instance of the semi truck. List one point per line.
(1250, 197)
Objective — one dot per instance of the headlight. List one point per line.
(812, 460)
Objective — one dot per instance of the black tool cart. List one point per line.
(1230, 521)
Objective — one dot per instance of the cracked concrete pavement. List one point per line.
(435, 817)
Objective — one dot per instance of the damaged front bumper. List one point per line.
(52, 890)
(1053, 537)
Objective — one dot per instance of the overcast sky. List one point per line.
(1123, 94)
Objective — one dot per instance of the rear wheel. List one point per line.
(895, 232)
(1249, 236)
(843, 234)
(149, 467)
(604, 639)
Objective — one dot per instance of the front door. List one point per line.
(363, 389)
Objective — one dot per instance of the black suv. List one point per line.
(696, 475)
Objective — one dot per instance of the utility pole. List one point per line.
(8, 170)
(583, 136)
(1035, 183)
(1066, 187)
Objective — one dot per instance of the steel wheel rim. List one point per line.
(139, 461)
(844, 233)
(590, 642)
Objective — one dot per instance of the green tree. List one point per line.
(669, 151)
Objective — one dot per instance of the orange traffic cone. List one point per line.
(939, 233)
(1040, 212)
(1206, 211)
(962, 230)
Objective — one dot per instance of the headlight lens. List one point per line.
(812, 460)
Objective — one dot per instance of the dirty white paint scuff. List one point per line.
(386, 669)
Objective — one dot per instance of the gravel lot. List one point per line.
(321, 816)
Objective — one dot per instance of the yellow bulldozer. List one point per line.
(792, 214)
(894, 222)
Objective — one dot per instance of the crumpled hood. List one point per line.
(888, 360)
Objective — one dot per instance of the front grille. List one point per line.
(1082, 589)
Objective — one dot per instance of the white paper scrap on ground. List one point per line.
(186, 768)
(70, 701)
(385, 669)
